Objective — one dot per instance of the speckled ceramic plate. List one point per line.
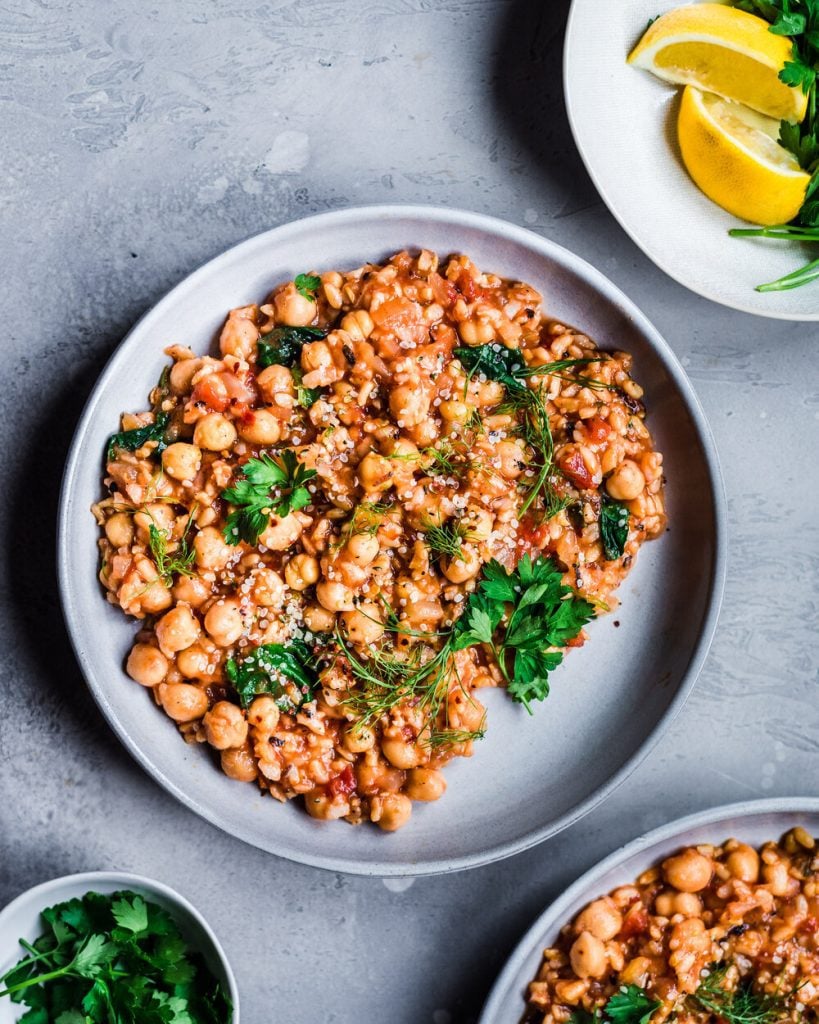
(753, 822)
(531, 776)
(20, 919)
(624, 123)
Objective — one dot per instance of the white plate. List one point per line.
(531, 776)
(624, 123)
(753, 822)
(20, 919)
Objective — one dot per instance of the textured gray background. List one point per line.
(141, 139)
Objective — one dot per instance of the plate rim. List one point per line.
(658, 261)
(784, 805)
(593, 277)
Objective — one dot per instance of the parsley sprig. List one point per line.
(629, 1005)
(268, 486)
(114, 959)
(307, 285)
(524, 617)
(799, 20)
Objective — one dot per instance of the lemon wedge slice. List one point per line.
(732, 154)
(724, 51)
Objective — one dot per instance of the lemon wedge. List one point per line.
(724, 51)
(732, 154)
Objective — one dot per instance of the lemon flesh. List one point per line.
(725, 51)
(732, 154)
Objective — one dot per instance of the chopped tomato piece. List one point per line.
(344, 782)
(469, 287)
(635, 923)
(596, 429)
(572, 466)
(212, 392)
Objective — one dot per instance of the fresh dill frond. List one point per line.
(366, 519)
(445, 538)
(439, 738)
(740, 1005)
(180, 561)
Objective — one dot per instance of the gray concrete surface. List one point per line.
(141, 139)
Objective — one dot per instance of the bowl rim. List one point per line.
(557, 909)
(657, 259)
(595, 279)
(128, 880)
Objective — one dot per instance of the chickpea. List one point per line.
(177, 629)
(743, 863)
(688, 904)
(464, 566)
(263, 714)
(181, 375)
(190, 590)
(319, 619)
(224, 622)
(181, 461)
(688, 871)
(120, 530)
(240, 334)
(183, 702)
(375, 472)
(476, 332)
(157, 514)
(335, 597)
(358, 324)
(626, 482)
(238, 764)
(361, 549)
(509, 459)
(409, 405)
(777, 878)
(394, 811)
(364, 625)
(193, 662)
(262, 427)
(321, 805)
(601, 918)
(292, 308)
(268, 588)
(301, 572)
(281, 533)
(588, 956)
(210, 549)
(316, 355)
(425, 784)
(274, 382)
(477, 523)
(146, 665)
(358, 739)
(214, 432)
(225, 726)
(401, 753)
(454, 411)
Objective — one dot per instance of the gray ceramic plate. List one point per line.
(529, 777)
(753, 822)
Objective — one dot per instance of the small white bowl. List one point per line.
(21, 919)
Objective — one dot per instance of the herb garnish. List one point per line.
(282, 346)
(741, 1005)
(444, 538)
(269, 667)
(613, 528)
(268, 486)
(304, 396)
(307, 285)
(506, 365)
(798, 19)
(178, 563)
(132, 440)
(629, 1005)
(539, 613)
(114, 959)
